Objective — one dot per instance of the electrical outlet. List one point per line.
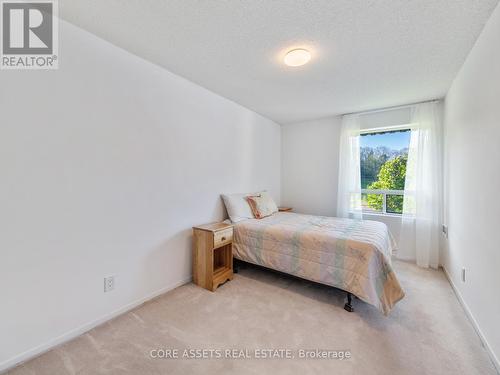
(445, 230)
(109, 283)
(463, 275)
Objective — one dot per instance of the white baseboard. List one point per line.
(38, 350)
(486, 345)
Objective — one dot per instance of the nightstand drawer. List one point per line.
(223, 237)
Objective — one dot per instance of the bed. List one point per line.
(352, 255)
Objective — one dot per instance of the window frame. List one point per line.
(383, 192)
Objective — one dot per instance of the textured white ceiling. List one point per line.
(366, 53)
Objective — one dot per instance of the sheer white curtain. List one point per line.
(349, 188)
(422, 204)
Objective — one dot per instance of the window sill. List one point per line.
(382, 214)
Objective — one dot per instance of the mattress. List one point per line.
(352, 255)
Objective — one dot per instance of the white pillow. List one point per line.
(237, 206)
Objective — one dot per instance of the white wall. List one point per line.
(106, 164)
(472, 179)
(309, 166)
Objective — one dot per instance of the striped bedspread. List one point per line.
(353, 255)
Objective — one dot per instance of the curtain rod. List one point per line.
(390, 108)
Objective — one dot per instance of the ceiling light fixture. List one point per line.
(297, 57)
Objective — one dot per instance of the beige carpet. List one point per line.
(427, 333)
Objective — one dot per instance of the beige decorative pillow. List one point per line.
(262, 205)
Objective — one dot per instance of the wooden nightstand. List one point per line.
(212, 255)
(285, 209)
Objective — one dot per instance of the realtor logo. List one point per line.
(29, 34)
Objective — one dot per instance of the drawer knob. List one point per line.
(223, 239)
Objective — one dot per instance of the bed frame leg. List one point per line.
(348, 305)
(238, 265)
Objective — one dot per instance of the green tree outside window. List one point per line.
(390, 177)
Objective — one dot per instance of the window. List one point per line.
(383, 157)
